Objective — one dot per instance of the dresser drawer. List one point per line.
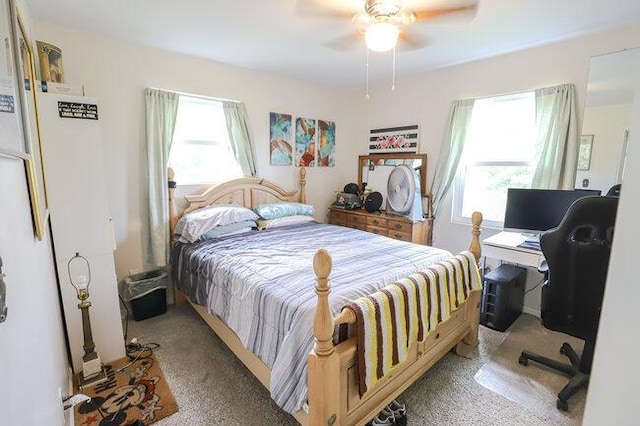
(398, 226)
(377, 230)
(358, 225)
(376, 221)
(404, 236)
(338, 218)
(356, 219)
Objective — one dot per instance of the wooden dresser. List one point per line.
(381, 223)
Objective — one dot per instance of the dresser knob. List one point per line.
(398, 226)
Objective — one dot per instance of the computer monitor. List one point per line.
(535, 211)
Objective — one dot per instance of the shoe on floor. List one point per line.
(384, 418)
(399, 412)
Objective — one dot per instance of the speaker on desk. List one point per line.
(502, 296)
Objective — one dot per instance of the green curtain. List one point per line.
(451, 151)
(161, 108)
(557, 138)
(240, 136)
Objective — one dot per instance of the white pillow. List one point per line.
(195, 224)
(283, 221)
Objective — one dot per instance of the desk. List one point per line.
(504, 247)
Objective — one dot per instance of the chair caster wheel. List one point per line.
(562, 405)
(523, 360)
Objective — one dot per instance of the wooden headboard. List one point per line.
(248, 192)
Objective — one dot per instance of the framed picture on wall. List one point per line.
(11, 133)
(30, 125)
(394, 139)
(584, 152)
(280, 139)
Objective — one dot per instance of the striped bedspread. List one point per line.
(261, 284)
(406, 311)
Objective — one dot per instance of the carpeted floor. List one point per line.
(212, 387)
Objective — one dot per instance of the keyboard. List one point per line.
(535, 245)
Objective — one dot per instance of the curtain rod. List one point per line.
(209, 98)
(519, 92)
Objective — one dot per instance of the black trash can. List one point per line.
(147, 293)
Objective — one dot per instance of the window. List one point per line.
(201, 151)
(499, 152)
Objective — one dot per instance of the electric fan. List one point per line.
(403, 193)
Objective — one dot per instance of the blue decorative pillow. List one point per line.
(275, 210)
(222, 230)
(283, 221)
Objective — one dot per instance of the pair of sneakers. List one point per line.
(393, 414)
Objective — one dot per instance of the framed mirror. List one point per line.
(611, 89)
(374, 170)
(30, 125)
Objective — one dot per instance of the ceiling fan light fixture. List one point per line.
(382, 7)
(381, 36)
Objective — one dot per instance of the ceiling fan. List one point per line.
(382, 22)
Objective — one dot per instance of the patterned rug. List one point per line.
(136, 392)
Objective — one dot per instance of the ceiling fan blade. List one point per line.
(412, 16)
(326, 8)
(410, 41)
(346, 42)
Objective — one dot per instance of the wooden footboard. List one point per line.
(334, 398)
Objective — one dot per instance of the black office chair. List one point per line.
(614, 191)
(577, 254)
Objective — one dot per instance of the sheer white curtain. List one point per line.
(451, 151)
(557, 138)
(161, 108)
(240, 136)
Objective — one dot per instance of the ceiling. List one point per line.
(278, 36)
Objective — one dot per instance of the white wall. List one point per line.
(117, 72)
(607, 124)
(33, 360)
(426, 99)
(613, 389)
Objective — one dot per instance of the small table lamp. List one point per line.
(92, 370)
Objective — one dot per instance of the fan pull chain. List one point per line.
(366, 96)
(393, 78)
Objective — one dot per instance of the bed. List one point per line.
(259, 296)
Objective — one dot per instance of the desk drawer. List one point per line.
(512, 255)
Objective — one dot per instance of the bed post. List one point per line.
(323, 363)
(173, 212)
(474, 247)
(303, 183)
(470, 341)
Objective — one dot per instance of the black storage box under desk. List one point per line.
(502, 296)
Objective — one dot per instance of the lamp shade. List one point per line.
(381, 36)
